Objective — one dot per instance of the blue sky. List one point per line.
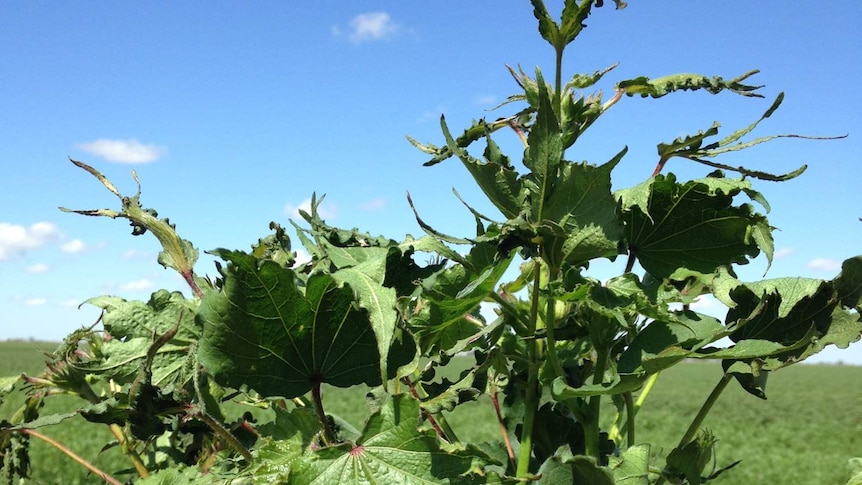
(233, 114)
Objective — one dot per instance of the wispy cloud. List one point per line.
(373, 204)
(432, 115)
(783, 253)
(369, 27)
(137, 285)
(37, 268)
(488, 101)
(70, 303)
(16, 239)
(124, 151)
(35, 301)
(135, 255)
(823, 264)
(324, 210)
(74, 246)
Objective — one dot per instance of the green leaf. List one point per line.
(178, 253)
(287, 438)
(583, 81)
(664, 343)
(451, 298)
(632, 466)
(617, 384)
(390, 450)
(855, 465)
(684, 82)
(572, 23)
(263, 332)
(803, 314)
(691, 226)
(691, 459)
(132, 326)
(586, 212)
(548, 29)
(849, 283)
(496, 177)
(544, 153)
(275, 247)
(686, 145)
(366, 280)
(182, 475)
(793, 307)
(574, 469)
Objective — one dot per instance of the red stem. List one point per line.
(503, 429)
(425, 413)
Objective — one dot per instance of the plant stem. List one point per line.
(630, 262)
(531, 401)
(550, 324)
(127, 450)
(503, 429)
(705, 408)
(71, 454)
(591, 426)
(631, 412)
(507, 306)
(647, 388)
(701, 415)
(558, 80)
(447, 434)
(328, 434)
(226, 435)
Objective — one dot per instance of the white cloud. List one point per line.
(135, 255)
(37, 268)
(70, 302)
(74, 246)
(35, 301)
(369, 27)
(432, 115)
(373, 205)
(16, 240)
(486, 100)
(325, 211)
(137, 285)
(124, 151)
(783, 253)
(302, 257)
(823, 264)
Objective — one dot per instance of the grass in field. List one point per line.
(804, 434)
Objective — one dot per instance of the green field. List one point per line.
(804, 434)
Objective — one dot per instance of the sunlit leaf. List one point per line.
(662, 86)
(391, 450)
(132, 326)
(691, 226)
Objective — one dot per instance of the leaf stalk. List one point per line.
(71, 454)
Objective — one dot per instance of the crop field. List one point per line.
(803, 434)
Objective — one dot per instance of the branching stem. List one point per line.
(226, 435)
(127, 450)
(447, 436)
(71, 454)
